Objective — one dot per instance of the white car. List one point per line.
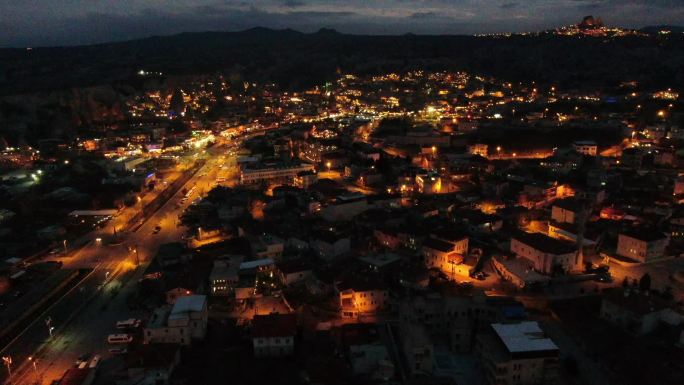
(118, 350)
(94, 361)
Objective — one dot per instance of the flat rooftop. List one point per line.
(188, 304)
(524, 337)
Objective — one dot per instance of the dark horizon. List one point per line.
(83, 23)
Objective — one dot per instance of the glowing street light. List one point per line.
(328, 164)
(7, 360)
(48, 323)
(34, 362)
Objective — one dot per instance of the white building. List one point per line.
(518, 353)
(585, 147)
(547, 254)
(643, 245)
(185, 322)
(224, 275)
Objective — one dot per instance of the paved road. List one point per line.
(86, 315)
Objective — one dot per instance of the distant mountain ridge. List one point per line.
(298, 60)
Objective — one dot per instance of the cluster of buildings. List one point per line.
(403, 226)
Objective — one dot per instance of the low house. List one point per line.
(273, 335)
(585, 147)
(548, 255)
(518, 353)
(566, 210)
(181, 324)
(638, 313)
(643, 245)
(518, 271)
(224, 275)
(328, 244)
(442, 254)
(360, 295)
(293, 271)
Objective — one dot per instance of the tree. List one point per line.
(645, 282)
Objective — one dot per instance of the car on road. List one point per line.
(82, 358)
(128, 324)
(94, 361)
(156, 230)
(118, 350)
(119, 338)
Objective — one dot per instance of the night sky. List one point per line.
(68, 22)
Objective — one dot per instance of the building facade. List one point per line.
(643, 246)
(518, 353)
(548, 255)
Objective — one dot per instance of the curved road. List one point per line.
(84, 316)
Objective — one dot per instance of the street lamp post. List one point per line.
(48, 323)
(137, 255)
(65, 245)
(7, 360)
(34, 362)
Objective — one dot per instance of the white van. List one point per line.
(128, 324)
(119, 338)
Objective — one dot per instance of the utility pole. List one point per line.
(7, 360)
(137, 256)
(34, 362)
(48, 323)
